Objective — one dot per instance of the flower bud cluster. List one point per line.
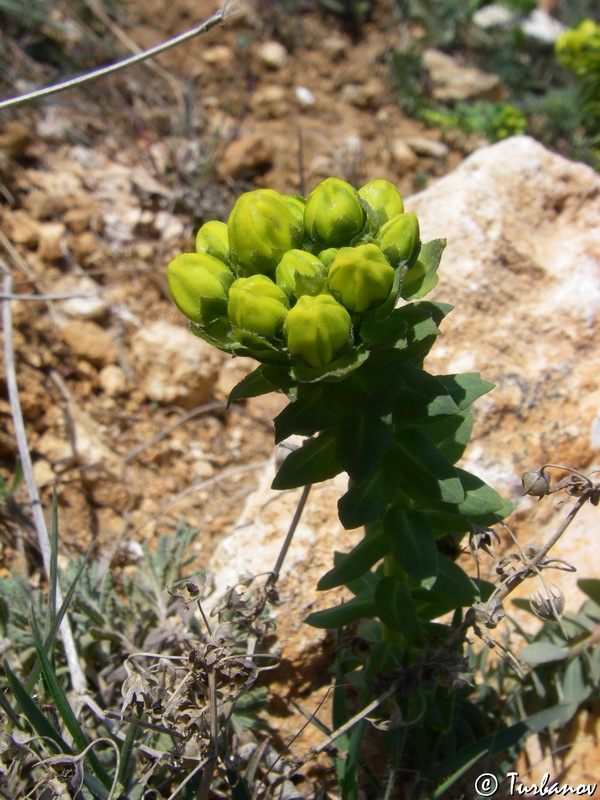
(296, 275)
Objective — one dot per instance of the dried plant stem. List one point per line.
(211, 763)
(274, 576)
(102, 72)
(77, 676)
(530, 564)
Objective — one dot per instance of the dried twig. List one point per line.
(77, 676)
(110, 69)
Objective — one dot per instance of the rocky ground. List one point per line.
(102, 186)
(99, 187)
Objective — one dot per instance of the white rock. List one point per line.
(543, 26)
(304, 96)
(493, 15)
(273, 55)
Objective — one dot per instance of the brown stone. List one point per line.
(89, 342)
(247, 156)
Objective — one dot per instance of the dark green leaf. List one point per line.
(314, 462)
(371, 549)
(64, 708)
(10, 712)
(452, 589)
(395, 607)
(335, 371)
(36, 719)
(498, 741)
(422, 396)
(361, 606)
(412, 544)
(423, 466)
(253, 385)
(465, 388)
(422, 277)
(362, 441)
(306, 415)
(422, 321)
(371, 390)
(365, 503)
(479, 497)
(451, 434)
(453, 447)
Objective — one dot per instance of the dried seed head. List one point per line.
(549, 607)
(536, 482)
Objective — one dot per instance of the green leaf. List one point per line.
(498, 741)
(371, 390)
(362, 441)
(422, 466)
(422, 396)
(479, 497)
(253, 385)
(358, 607)
(63, 707)
(371, 549)
(37, 720)
(465, 388)
(314, 462)
(543, 653)
(453, 447)
(412, 544)
(590, 587)
(452, 589)
(334, 371)
(422, 277)
(413, 328)
(576, 685)
(395, 607)
(365, 503)
(306, 415)
(451, 434)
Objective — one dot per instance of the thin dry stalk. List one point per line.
(78, 679)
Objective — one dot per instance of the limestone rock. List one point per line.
(453, 82)
(522, 268)
(174, 367)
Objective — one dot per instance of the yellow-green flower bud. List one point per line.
(334, 213)
(257, 305)
(199, 284)
(399, 239)
(384, 199)
(300, 273)
(296, 204)
(212, 239)
(261, 228)
(360, 277)
(328, 256)
(317, 329)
